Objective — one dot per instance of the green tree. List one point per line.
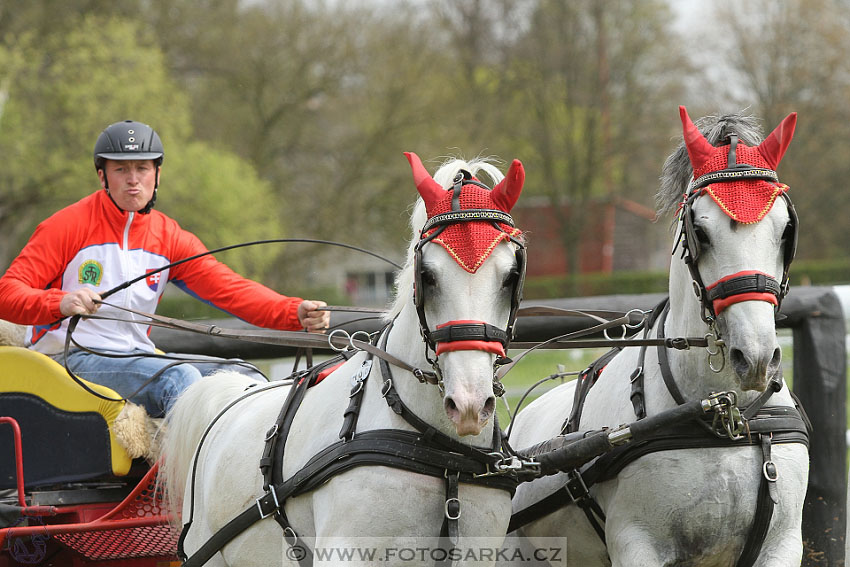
(591, 81)
(61, 90)
(792, 56)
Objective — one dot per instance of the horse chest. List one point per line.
(693, 503)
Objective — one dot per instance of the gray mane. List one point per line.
(677, 172)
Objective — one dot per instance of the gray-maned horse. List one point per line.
(373, 508)
(696, 506)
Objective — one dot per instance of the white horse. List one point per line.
(371, 509)
(694, 506)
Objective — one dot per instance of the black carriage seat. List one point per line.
(66, 431)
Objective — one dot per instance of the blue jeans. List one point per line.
(128, 375)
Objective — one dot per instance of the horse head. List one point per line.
(737, 229)
(466, 264)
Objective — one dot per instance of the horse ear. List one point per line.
(506, 192)
(774, 146)
(430, 190)
(698, 147)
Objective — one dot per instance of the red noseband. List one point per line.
(749, 285)
(469, 335)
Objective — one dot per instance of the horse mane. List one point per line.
(444, 176)
(677, 171)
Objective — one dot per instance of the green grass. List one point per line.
(538, 365)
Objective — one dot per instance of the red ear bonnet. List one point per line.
(469, 242)
(744, 200)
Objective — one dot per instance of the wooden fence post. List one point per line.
(817, 321)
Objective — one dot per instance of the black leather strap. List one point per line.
(767, 498)
(750, 283)
(469, 332)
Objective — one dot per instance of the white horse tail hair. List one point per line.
(185, 425)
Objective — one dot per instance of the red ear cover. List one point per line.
(507, 191)
(430, 190)
(774, 146)
(699, 150)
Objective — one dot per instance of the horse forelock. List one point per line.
(444, 176)
(677, 171)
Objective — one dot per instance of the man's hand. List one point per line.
(311, 318)
(79, 302)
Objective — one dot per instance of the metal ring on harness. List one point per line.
(336, 348)
(722, 361)
(271, 432)
(713, 341)
(385, 389)
(636, 326)
(287, 532)
(353, 337)
(623, 327)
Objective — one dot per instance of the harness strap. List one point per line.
(352, 412)
(450, 528)
(666, 373)
(263, 507)
(768, 497)
(586, 379)
(636, 379)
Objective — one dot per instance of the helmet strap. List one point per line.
(150, 204)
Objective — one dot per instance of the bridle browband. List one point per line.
(465, 334)
(744, 285)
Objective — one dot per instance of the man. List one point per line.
(110, 237)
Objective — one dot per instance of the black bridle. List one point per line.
(456, 331)
(742, 282)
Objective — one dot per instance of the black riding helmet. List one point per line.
(129, 140)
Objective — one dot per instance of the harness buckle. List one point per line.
(771, 473)
(271, 432)
(455, 504)
(576, 488)
(264, 515)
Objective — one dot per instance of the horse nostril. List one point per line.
(489, 406)
(450, 405)
(739, 362)
(777, 358)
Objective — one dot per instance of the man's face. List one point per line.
(131, 182)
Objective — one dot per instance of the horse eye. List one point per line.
(702, 237)
(428, 278)
(511, 279)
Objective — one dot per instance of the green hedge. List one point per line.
(820, 272)
(809, 272)
(595, 284)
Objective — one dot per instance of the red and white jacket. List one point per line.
(94, 244)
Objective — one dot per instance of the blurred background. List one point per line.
(288, 118)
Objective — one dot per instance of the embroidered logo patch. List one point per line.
(91, 272)
(153, 279)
